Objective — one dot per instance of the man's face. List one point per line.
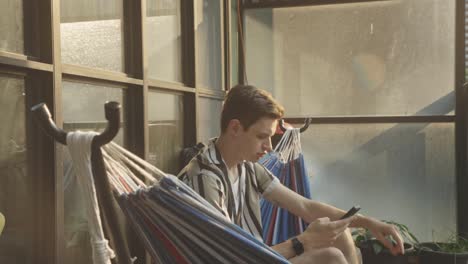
(256, 140)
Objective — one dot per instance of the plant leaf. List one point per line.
(377, 248)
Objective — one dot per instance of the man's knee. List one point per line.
(329, 255)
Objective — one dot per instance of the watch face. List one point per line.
(297, 246)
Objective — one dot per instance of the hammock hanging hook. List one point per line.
(112, 114)
(42, 115)
(307, 122)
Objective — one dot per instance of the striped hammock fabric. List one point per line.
(287, 163)
(175, 224)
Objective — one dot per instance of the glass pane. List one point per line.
(84, 106)
(380, 58)
(166, 130)
(83, 109)
(208, 37)
(16, 190)
(11, 26)
(164, 40)
(400, 172)
(209, 118)
(234, 43)
(91, 33)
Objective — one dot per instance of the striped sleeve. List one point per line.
(210, 187)
(266, 181)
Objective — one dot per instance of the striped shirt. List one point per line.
(207, 174)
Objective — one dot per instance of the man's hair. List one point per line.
(248, 104)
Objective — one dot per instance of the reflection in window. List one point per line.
(166, 130)
(377, 58)
(11, 26)
(164, 40)
(209, 116)
(208, 37)
(16, 190)
(91, 33)
(400, 172)
(83, 109)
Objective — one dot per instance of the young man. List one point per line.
(226, 174)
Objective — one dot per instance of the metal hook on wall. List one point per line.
(112, 113)
(302, 129)
(105, 197)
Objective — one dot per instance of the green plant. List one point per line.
(455, 244)
(363, 237)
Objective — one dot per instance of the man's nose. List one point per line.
(267, 146)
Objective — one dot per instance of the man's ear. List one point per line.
(234, 126)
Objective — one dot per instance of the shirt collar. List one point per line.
(213, 153)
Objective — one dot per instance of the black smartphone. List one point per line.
(351, 212)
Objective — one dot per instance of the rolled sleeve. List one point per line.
(266, 181)
(273, 184)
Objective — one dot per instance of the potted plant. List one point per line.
(453, 251)
(374, 252)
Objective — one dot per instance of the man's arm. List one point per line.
(300, 206)
(311, 210)
(285, 249)
(321, 233)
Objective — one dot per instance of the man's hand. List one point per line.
(323, 232)
(385, 233)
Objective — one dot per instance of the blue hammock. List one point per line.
(287, 164)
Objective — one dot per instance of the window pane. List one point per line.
(166, 130)
(164, 40)
(209, 118)
(91, 33)
(83, 110)
(234, 43)
(208, 37)
(11, 26)
(16, 190)
(84, 106)
(385, 58)
(400, 172)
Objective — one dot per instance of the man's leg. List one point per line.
(329, 255)
(345, 243)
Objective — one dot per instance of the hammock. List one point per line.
(286, 162)
(175, 224)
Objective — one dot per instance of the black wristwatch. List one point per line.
(297, 246)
